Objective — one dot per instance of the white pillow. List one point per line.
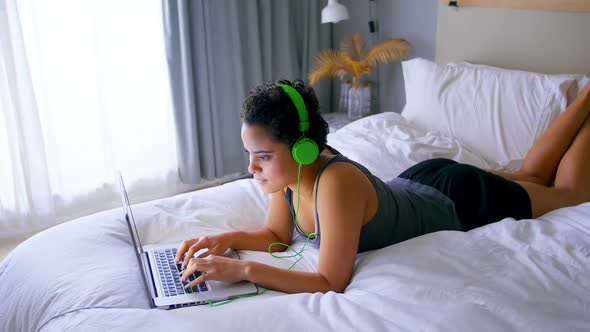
(495, 112)
(570, 84)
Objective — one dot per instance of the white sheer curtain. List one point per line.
(84, 91)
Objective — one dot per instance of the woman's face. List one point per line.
(271, 162)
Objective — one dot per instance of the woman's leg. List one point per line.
(563, 153)
(543, 159)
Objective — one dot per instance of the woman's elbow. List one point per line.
(340, 288)
(335, 286)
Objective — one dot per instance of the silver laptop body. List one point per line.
(160, 272)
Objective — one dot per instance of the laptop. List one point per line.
(160, 272)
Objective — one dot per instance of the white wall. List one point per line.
(414, 20)
(550, 42)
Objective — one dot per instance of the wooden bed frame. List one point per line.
(550, 5)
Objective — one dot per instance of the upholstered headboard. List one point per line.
(535, 40)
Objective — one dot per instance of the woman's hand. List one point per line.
(214, 268)
(216, 245)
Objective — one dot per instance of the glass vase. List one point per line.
(368, 99)
(343, 102)
(360, 101)
(354, 103)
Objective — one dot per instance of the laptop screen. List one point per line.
(129, 217)
(135, 239)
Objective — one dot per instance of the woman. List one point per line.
(341, 208)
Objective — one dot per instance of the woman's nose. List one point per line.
(253, 168)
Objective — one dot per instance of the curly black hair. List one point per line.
(268, 106)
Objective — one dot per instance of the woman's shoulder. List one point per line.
(345, 193)
(342, 174)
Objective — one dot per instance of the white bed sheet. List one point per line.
(527, 275)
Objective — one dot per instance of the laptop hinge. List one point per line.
(151, 283)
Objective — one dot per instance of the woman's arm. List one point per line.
(285, 280)
(231, 270)
(343, 197)
(278, 228)
(342, 208)
(254, 240)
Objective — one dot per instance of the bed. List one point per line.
(531, 275)
(512, 275)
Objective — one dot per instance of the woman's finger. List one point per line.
(192, 250)
(190, 269)
(202, 278)
(206, 253)
(184, 246)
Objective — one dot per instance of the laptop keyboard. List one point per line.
(168, 269)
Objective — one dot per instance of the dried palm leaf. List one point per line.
(354, 46)
(329, 63)
(353, 61)
(387, 51)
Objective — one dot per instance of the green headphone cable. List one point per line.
(298, 254)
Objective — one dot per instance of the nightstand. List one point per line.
(336, 120)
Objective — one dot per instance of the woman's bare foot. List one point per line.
(585, 92)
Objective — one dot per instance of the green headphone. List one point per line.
(305, 151)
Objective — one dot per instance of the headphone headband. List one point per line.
(305, 151)
(299, 105)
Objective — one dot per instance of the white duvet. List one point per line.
(528, 275)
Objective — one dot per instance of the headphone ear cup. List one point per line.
(305, 151)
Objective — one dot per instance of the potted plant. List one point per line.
(351, 63)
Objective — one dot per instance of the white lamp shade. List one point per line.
(334, 12)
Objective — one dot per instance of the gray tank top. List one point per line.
(406, 209)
